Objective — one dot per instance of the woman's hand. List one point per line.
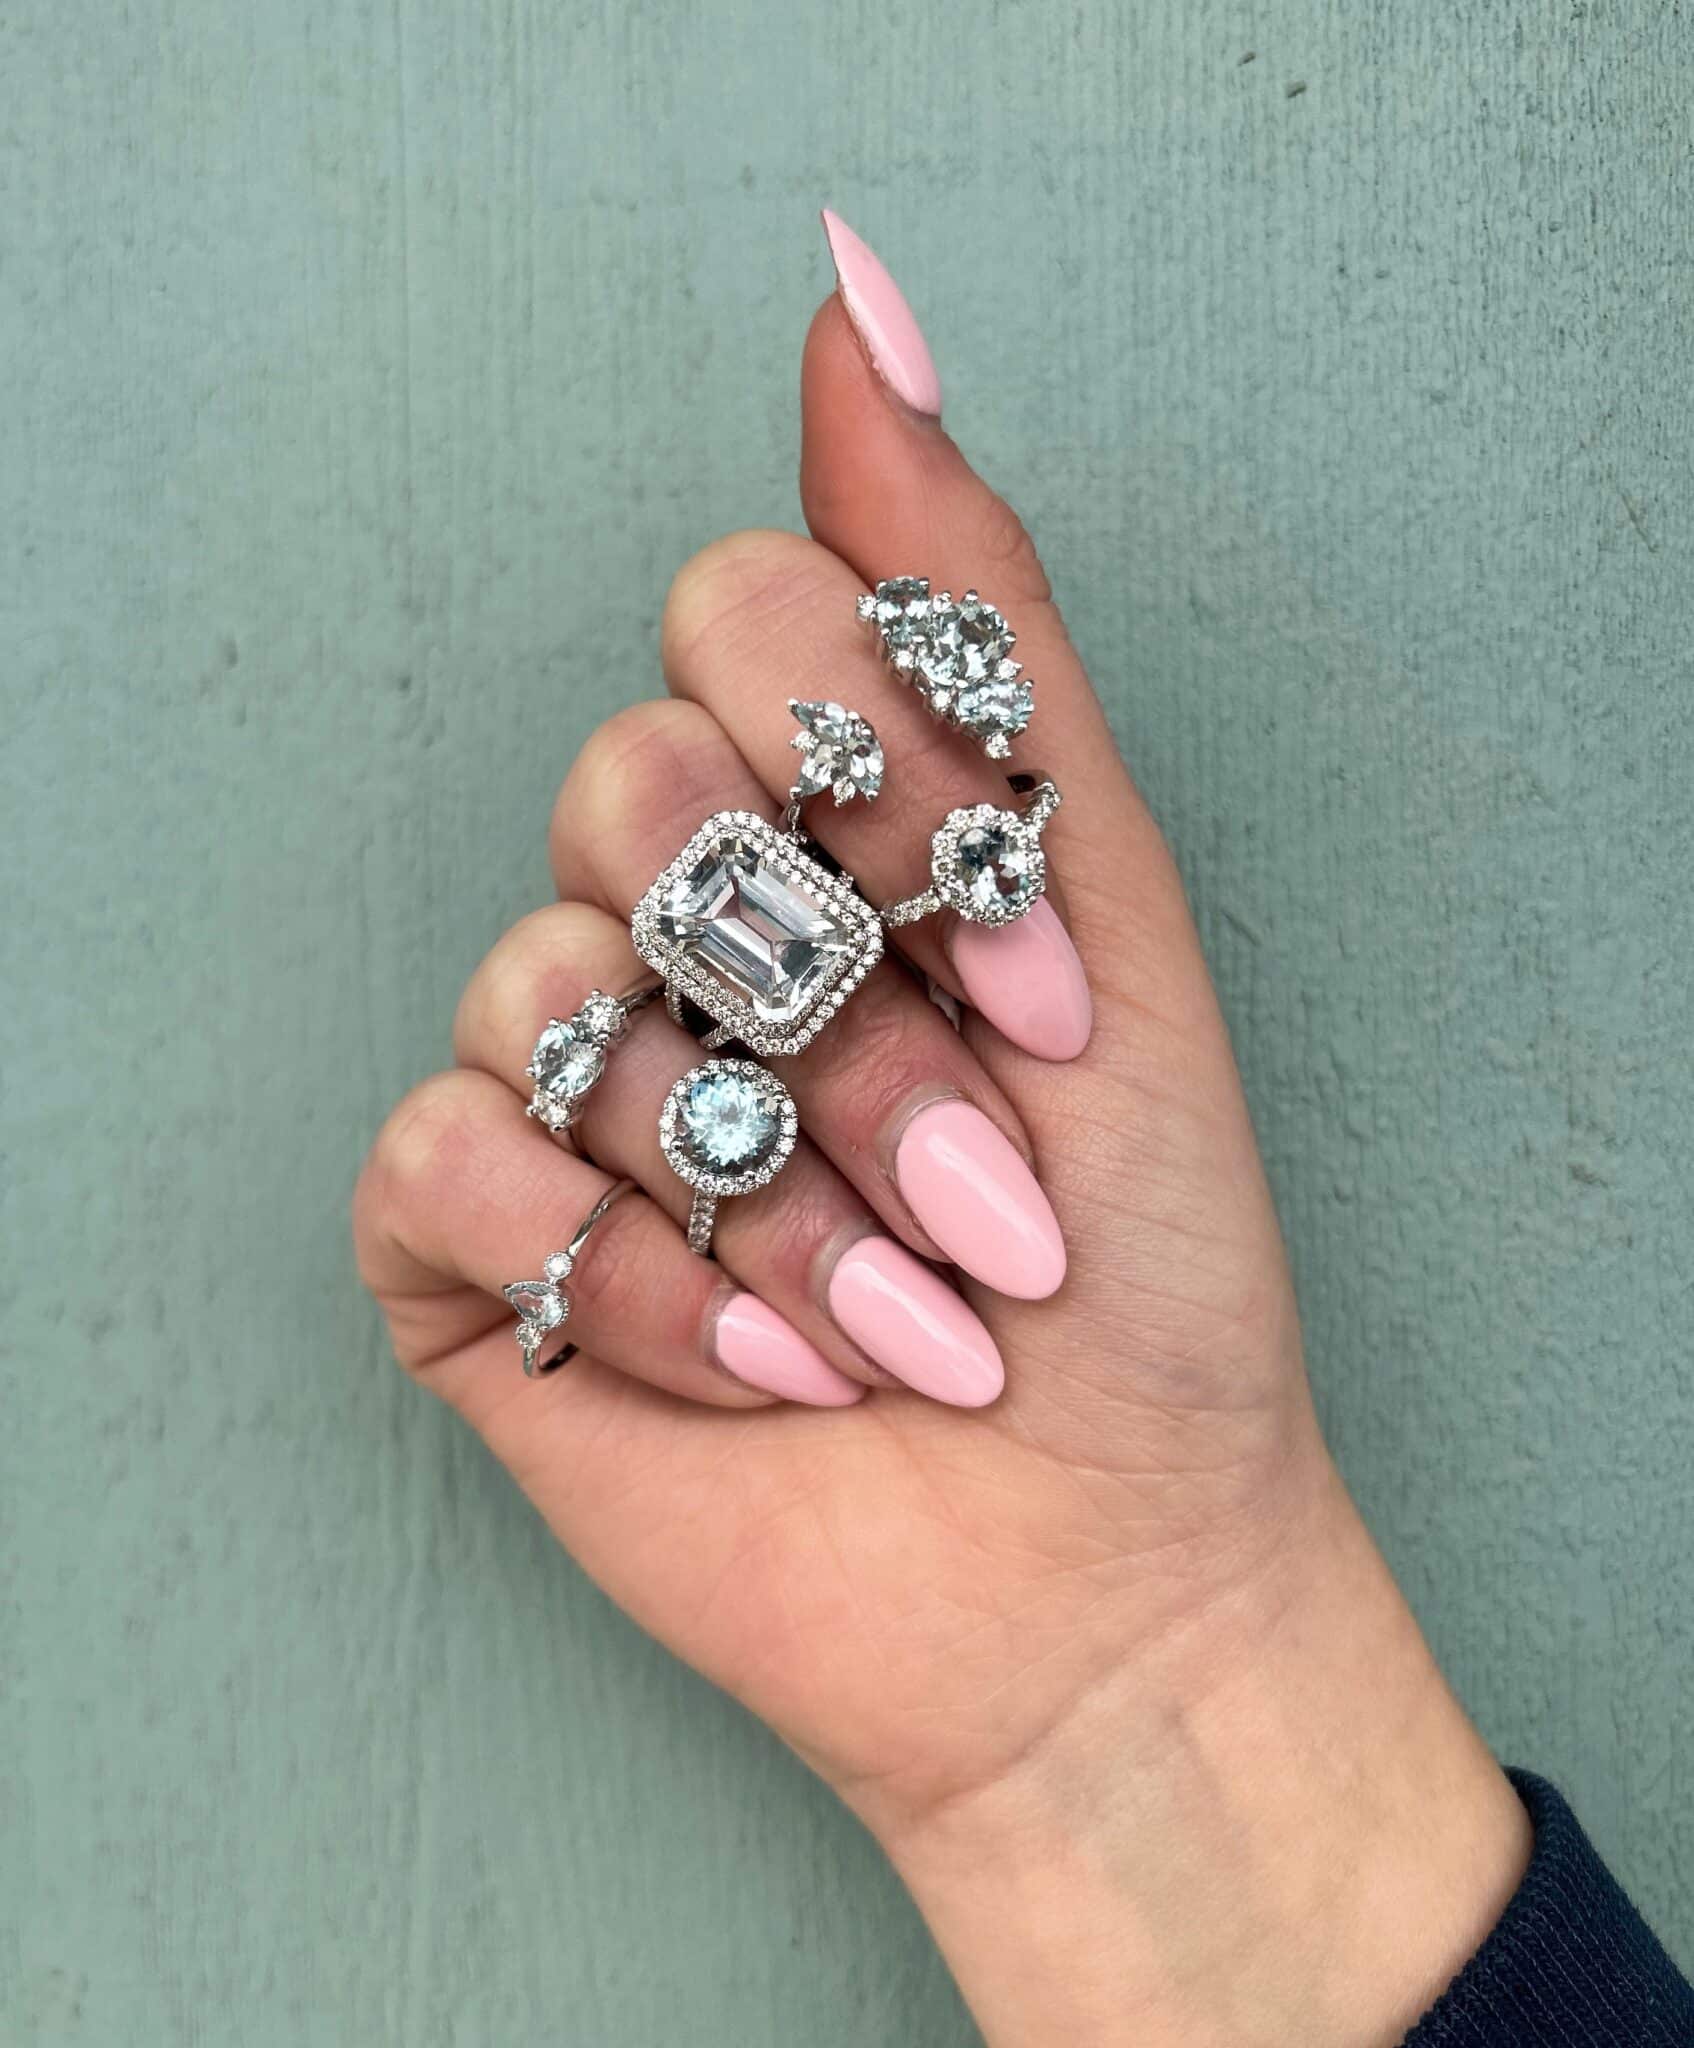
(1108, 1663)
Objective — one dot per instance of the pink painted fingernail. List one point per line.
(1027, 980)
(966, 1183)
(904, 1315)
(892, 338)
(764, 1350)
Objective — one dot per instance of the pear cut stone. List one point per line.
(755, 928)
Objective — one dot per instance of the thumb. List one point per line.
(885, 488)
(881, 483)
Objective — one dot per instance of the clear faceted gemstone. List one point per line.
(902, 609)
(840, 749)
(996, 868)
(966, 644)
(995, 707)
(769, 938)
(727, 1125)
(600, 1018)
(566, 1062)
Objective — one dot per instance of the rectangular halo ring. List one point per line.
(746, 923)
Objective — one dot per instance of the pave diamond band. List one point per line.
(570, 1054)
(727, 1127)
(985, 862)
(544, 1305)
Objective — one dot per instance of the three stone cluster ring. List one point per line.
(570, 1054)
(544, 1304)
(727, 1127)
(985, 862)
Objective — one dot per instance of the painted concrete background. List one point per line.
(369, 366)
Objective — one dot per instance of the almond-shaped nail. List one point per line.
(901, 1313)
(966, 1183)
(764, 1350)
(1027, 980)
(892, 338)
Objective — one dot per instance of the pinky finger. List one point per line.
(460, 1197)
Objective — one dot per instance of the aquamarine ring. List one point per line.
(727, 1128)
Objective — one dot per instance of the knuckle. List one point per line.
(1009, 555)
(629, 766)
(731, 581)
(417, 1148)
(784, 1229)
(879, 1062)
(522, 961)
(411, 1162)
(616, 1283)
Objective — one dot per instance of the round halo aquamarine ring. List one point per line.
(985, 863)
(727, 1127)
(570, 1054)
(957, 655)
(544, 1304)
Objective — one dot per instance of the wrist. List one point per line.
(1277, 1824)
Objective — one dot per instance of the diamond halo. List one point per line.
(985, 862)
(758, 932)
(728, 1127)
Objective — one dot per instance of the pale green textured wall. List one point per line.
(368, 367)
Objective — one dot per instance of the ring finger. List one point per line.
(457, 1202)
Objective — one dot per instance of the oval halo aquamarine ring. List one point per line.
(727, 1127)
(985, 862)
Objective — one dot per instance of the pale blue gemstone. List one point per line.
(725, 1123)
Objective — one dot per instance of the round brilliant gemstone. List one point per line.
(726, 1124)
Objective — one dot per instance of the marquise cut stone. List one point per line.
(841, 752)
(769, 938)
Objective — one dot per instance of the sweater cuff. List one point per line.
(1571, 1961)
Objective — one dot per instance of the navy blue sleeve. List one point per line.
(1571, 1964)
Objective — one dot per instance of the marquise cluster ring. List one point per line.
(985, 862)
(544, 1305)
(727, 1127)
(570, 1054)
